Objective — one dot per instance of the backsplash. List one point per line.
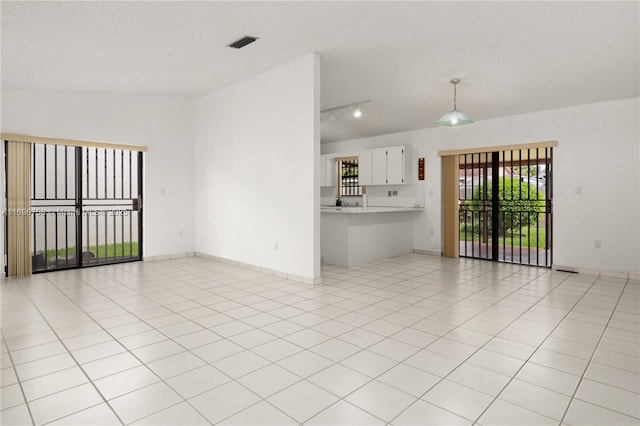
(401, 196)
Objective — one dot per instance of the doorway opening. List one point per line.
(85, 206)
(505, 206)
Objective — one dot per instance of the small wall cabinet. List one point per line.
(328, 167)
(364, 168)
(383, 166)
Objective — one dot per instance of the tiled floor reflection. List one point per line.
(414, 340)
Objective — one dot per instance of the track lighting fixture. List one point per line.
(357, 112)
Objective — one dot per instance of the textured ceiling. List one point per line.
(512, 57)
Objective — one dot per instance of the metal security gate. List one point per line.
(505, 206)
(85, 206)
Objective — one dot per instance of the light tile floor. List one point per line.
(414, 340)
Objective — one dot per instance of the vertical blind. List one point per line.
(18, 209)
(450, 227)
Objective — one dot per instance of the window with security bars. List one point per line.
(348, 176)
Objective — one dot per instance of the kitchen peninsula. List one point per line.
(356, 235)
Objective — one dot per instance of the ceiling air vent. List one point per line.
(239, 44)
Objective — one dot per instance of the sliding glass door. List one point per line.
(505, 205)
(86, 206)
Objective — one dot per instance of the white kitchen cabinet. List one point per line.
(383, 166)
(329, 170)
(364, 168)
(379, 166)
(395, 165)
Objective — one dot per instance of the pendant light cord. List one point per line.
(454, 95)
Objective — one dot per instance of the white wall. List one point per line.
(253, 136)
(598, 150)
(162, 123)
(257, 149)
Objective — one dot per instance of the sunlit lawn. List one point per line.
(529, 236)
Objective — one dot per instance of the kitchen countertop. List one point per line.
(369, 209)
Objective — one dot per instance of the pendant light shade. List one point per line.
(455, 117)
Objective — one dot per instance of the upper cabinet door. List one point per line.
(328, 168)
(364, 168)
(395, 165)
(379, 166)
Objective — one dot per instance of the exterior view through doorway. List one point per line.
(85, 206)
(505, 206)
(498, 203)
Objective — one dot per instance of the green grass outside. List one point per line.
(527, 237)
(107, 250)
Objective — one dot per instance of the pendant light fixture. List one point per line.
(357, 113)
(455, 117)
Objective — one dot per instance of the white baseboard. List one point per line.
(598, 272)
(168, 256)
(279, 274)
(428, 252)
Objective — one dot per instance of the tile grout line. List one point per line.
(362, 349)
(74, 360)
(127, 350)
(190, 351)
(512, 273)
(595, 349)
(145, 364)
(439, 337)
(496, 397)
(178, 313)
(191, 286)
(482, 346)
(15, 371)
(276, 336)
